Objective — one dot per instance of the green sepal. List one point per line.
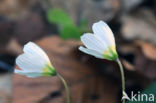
(49, 70)
(111, 53)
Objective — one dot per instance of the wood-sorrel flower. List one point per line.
(101, 44)
(34, 62)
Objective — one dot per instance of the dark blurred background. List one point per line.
(56, 25)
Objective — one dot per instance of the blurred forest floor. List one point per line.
(91, 80)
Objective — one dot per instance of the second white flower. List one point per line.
(101, 44)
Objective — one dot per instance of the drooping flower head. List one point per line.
(34, 62)
(101, 43)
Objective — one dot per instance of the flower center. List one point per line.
(49, 70)
(110, 53)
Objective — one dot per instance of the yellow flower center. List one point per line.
(48, 70)
(110, 53)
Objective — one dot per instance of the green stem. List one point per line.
(122, 77)
(66, 87)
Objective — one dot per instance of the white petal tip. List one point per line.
(100, 23)
(29, 43)
(86, 34)
(81, 48)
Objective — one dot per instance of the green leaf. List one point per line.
(71, 32)
(58, 16)
(67, 28)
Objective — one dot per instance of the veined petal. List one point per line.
(91, 52)
(30, 62)
(92, 42)
(102, 30)
(35, 64)
(28, 74)
(32, 48)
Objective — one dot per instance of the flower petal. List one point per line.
(32, 48)
(30, 62)
(93, 42)
(102, 30)
(91, 52)
(28, 74)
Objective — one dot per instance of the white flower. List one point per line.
(101, 44)
(34, 62)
